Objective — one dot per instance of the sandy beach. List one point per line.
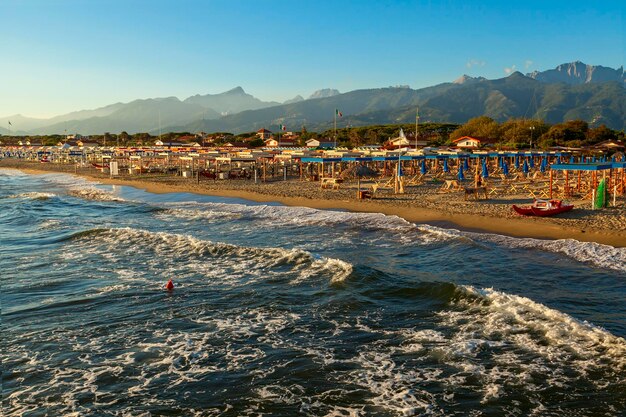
(420, 204)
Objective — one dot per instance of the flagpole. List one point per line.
(417, 117)
(335, 134)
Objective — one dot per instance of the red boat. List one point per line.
(543, 208)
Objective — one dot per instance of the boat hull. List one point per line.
(542, 211)
(550, 212)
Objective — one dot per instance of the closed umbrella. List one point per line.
(445, 166)
(531, 162)
(542, 166)
(460, 175)
(571, 159)
(423, 167)
(558, 159)
(516, 161)
(505, 168)
(485, 170)
(525, 167)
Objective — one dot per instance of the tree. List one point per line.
(600, 134)
(519, 133)
(482, 127)
(564, 134)
(257, 143)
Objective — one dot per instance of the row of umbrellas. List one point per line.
(504, 166)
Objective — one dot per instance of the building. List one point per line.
(470, 142)
(316, 143)
(264, 134)
(272, 143)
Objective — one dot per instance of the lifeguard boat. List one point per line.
(543, 208)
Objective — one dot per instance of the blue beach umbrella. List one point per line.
(505, 168)
(460, 175)
(423, 167)
(542, 166)
(516, 161)
(445, 166)
(525, 167)
(531, 162)
(594, 160)
(558, 159)
(485, 170)
(571, 159)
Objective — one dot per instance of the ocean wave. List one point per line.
(597, 254)
(34, 195)
(92, 193)
(600, 255)
(175, 248)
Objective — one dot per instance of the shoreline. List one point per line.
(475, 222)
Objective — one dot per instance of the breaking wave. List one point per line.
(92, 193)
(190, 255)
(34, 196)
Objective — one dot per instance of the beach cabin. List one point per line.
(470, 142)
(316, 143)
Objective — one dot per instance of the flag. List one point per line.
(338, 113)
(282, 127)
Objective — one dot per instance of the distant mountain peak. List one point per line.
(578, 72)
(324, 92)
(296, 99)
(236, 90)
(466, 79)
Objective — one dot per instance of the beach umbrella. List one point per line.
(558, 159)
(525, 167)
(460, 175)
(423, 167)
(594, 160)
(465, 164)
(531, 162)
(445, 166)
(517, 161)
(542, 166)
(485, 170)
(571, 159)
(505, 168)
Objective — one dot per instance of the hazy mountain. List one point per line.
(592, 93)
(229, 102)
(323, 93)
(133, 117)
(19, 122)
(294, 100)
(513, 96)
(579, 73)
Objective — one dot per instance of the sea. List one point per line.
(292, 311)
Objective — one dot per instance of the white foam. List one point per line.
(603, 256)
(261, 262)
(93, 193)
(34, 195)
(600, 255)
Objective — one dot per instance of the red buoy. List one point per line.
(169, 286)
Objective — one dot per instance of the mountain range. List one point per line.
(570, 91)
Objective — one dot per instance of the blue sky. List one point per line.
(65, 55)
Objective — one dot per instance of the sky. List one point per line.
(65, 55)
